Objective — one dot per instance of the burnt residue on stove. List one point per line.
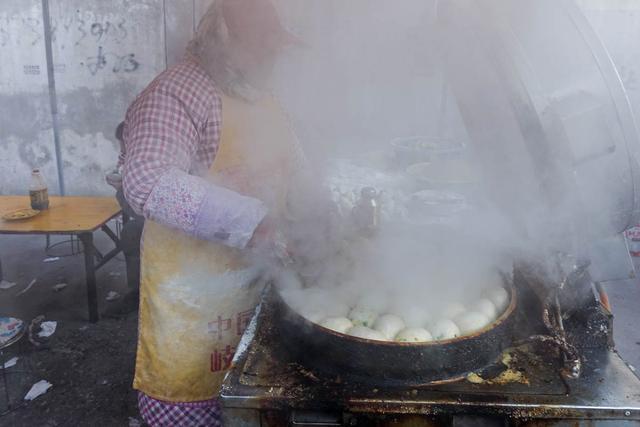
(387, 364)
(270, 378)
(269, 362)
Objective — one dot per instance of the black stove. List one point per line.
(268, 387)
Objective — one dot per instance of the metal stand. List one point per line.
(90, 272)
(76, 249)
(94, 260)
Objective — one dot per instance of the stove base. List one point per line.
(255, 418)
(267, 388)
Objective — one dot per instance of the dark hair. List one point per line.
(120, 132)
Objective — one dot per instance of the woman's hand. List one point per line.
(269, 242)
(114, 179)
(263, 233)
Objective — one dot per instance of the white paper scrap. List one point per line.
(38, 389)
(52, 259)
(59, 287)
(4, 285)
(10, 363)
(112, 295)
(48, 328)
(33, 282)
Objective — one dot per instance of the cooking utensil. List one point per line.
(453, 175)
(402, 363)
(367, 212)
(419, 149)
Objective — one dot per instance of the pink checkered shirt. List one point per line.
(157, 413)
(171, 135)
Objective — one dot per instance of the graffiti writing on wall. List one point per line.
(117, 63)
(87, 27)
(103, 40)
(17, 30)
(98, 43)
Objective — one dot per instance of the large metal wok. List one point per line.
(338, 354)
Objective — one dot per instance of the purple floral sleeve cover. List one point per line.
(203, 210)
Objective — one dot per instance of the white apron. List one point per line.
(197, 297)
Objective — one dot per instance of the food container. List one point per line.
(426, 204)
(395, 362)
(454, 175)
(417, 149)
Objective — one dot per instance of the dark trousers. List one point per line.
(130, 241)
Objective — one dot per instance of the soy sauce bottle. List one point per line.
(38, 191)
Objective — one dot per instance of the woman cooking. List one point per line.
(208, 159)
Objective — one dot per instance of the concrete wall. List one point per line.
(26, 137)
(104, 53)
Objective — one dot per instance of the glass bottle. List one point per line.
(38, 191)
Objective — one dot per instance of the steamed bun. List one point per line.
(389, 325)
(414, 335)
(445, 329)
(338, 324)
(486, 307)
(471, 321)
(362, 316)
(366, 333)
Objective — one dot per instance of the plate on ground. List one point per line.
(10, 329)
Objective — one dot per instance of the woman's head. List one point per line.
(238, 42)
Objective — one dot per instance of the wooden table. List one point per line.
(79, 216)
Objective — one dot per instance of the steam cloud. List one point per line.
(371, 72)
